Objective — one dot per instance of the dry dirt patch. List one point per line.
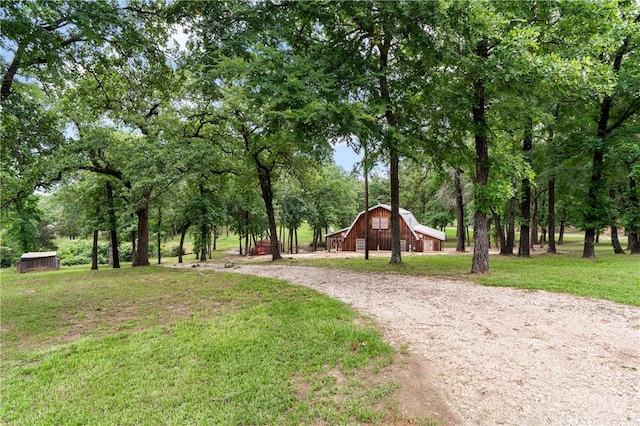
(499, 355)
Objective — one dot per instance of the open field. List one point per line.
(164, 346)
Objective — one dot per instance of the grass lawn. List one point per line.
(609, 276)
(165, 346)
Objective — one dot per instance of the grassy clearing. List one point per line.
(163, 346)
(609, 276)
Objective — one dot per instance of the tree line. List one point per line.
(527, 111)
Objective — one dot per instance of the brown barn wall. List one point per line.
(380, 239)
(26, 265)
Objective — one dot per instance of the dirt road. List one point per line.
(500, 356)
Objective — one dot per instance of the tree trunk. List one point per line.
(480, 262)
(367, 226)
(525, 206)
(551, 216)
(204, 232)
(142, 256)
(296, 236)
(534, 221)
(589, 246)
(94, 251)
(10, 74)
(183, 233)
(396, 257)
(561, 232)
(134, 249)
(264, 175)
(511, 228)
(391, 142)
(460, 247)
(633, 241)
(159, 236)
(113, 228)
(502, 239)
(596, 184)
(615, 242)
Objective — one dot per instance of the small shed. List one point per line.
(413, 235)
(38, 261)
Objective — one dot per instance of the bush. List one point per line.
(8, 257)
(78, 252)
(171, 251)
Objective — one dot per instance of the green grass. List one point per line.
(164, 346)
(609, 276)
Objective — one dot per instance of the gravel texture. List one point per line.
(498, 356)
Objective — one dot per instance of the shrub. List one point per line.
(8, 257)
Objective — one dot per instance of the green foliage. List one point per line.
(8, 257)
(78, 252)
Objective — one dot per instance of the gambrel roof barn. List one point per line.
(413, 235)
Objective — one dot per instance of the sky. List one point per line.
(345, 157)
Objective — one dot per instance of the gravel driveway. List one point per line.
(500, 356)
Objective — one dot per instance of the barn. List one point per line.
(38, 261)
(413, 235)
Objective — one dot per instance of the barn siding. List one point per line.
(38, 264)
(379, 239)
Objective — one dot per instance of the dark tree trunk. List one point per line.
(511, 228)
(561, 232)
(480, 263)
(551, 216)
(525, 206)
(296, 236)
(460, 246)
(159, 236)
(534, 221)
(113, 228)
(142, 254)
(264, 176)
(367, 226)
(615, 242)
(183, 233)
(394, 161)
(502, 239)
(240, 243)
(94, 251)
(204, 232)
(396, 257)
(633, 242)
(10, 74)
(596, 184)
(551, 213)
(134, 250)
(633, 207)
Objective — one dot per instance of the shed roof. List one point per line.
(38, 255)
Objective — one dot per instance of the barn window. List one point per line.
(403, 245)
(380, 222)
(359, 243)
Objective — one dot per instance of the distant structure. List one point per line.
(413, 236)
(38, 261)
